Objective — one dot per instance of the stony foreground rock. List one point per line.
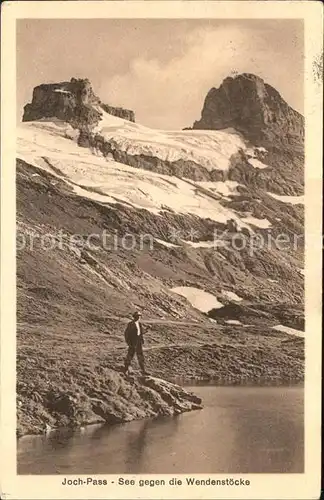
(102, 396)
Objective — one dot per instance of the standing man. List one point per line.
(134, 339)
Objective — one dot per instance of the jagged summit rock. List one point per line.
(248, 104)
(69, 101)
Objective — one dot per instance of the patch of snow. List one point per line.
(252, 152)
(166, 243)
(199, 299)
(224, 188)
(231, 296)
(221, 256)
(212, 320)
(290, 331)
(233, 322)
(206, 244)
(261, 223)
(85, 193)
(254, 162)
(294, 200)
(272, 281)
(61, 91)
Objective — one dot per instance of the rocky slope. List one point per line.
(183, 225)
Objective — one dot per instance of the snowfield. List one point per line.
(47, 145)
(206, 244)
(61, 91)
(201, 300)
(231, 296)
(166, 243)
(225, 189)
(290, 331)
(211, 149)
(294, 200)
(254, 162)
(260, 223)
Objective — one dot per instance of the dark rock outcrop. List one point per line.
(262, 312)
(254, 108)
(99, 395)
(126, 114)
(74, 102)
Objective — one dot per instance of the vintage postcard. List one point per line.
(161, 196)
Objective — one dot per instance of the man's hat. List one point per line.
(136, 314)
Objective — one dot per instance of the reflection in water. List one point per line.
(135, 446)
(240, 429)
(62, 438)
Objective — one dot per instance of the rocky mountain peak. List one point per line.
(71, 101)
(248, 104)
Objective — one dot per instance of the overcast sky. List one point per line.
(162, 69)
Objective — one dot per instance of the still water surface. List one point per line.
(240, 430)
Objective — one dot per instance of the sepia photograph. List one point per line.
(160, 237)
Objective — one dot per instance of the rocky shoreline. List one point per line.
(78, 381)
(107, 397)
